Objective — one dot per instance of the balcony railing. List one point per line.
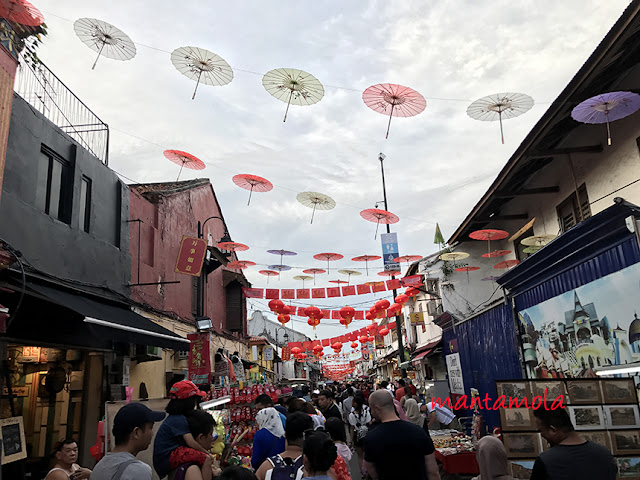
(45, 92)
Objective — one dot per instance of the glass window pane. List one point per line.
(83, 203)
(56, 185)
(41, 185)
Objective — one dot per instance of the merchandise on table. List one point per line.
(453, 443)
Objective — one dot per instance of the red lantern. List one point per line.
(411, 292)
(402, 299)
(283, 318)
(317, 348)
(319, 354)
(363, 339)
(313, 322)
(370, 339)
(372, 328)
(296, 350)
(347, 314)
(312, 312)
(384, 331)
(382, 304)
(354, 345)
(394, 309)
(276, 306)
(370, 316)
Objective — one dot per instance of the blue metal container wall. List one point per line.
(488, 352)
(621, 256)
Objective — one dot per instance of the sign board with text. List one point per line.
(417, 318)
(454, 370)
(267, 353)
(191, 256)
(389, 250)
(200, 358)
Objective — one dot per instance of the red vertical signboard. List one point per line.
(191, 256)
(200, 358)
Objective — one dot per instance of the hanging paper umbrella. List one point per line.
(467, 269)
(282, 253)
(317, 201)
(488, 235)
(279, 268)
(314, 272)
(184, 159)
(407, 258)
(500, 106)
(329, 257)
(293, 86)
(269, 273)
(253, 183)
(202, 66)
(606, 108)
(338, 281)
(453, 256)
(506, 264)
(537, 240)
(374, 284)
(236, 266)
(246, 263)
(232, 246)
(22, 12)
(490, 278)
(366, 259)
(303, 278)
(394, 100)
(389, 273)
(104, 38)
(496, 253)
(531, 249)
(379, 216)
(355, 273)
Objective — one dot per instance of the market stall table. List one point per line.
(455, 452)
(464, 462)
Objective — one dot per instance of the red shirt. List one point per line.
(413, 389)
(399, 394)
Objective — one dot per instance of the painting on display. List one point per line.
(592, 326)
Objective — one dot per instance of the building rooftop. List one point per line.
(168, 188)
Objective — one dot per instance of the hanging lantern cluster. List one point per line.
(283, 311)
(411, 292)
(314, 314)
(354, 345)
(337, 347)
(347, 313)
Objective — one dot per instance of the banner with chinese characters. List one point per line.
(286, 354)
(200, 358)
(191, 255)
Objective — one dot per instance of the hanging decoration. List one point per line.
(202, 66)
(350, 273)
(496, 253)
(253, 183)
(233, 246)
(347, 313)
(104, 38)
(282, 253)
(303, 278)
(268, 274)
(22, 12)
(488, 235)
(606, 108)
(506, 264)
(366, 259)
(500, 106)
(293, 86)
(394, 100)
(453, 256)
(329, 257)
(389, 273)
(379, 216)
(537, 240)
(184, 159)
(314, 272)
(316, 201)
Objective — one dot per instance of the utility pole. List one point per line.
(399, 317)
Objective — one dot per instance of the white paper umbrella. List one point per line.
(202, 66)
(293, 86)
(500, 106)
(104, 38)
(317, 201)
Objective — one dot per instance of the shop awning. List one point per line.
(97, 323)
(425, 350)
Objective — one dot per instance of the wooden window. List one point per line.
(235, 317)
(54, 186)
(569, 211)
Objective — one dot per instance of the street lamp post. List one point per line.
(286, 340)
(381, 157)
(203, 273)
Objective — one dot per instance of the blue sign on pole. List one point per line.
(389, 250)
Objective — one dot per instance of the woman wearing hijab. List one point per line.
(492, 459)
(414, 415)
(269, 439)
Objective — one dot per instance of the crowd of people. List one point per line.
(316, 434)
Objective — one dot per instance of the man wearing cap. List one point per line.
(132, 431)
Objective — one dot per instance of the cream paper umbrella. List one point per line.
(293, 86)
(317, 201)
(537, 240)
(104, 38)
(350, 273)
(453, 256)
(202, 66)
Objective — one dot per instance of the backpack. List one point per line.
(285, 468)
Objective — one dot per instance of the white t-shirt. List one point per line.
(107, 467)
(443, 414)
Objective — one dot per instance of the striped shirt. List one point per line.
(444, 415)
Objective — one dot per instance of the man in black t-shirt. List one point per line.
(327, 407)
(396, 449)
(571, 457)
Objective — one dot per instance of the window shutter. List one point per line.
(234, 307)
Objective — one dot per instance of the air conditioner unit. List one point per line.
(145, 353)
(434, 308)
(183, 355)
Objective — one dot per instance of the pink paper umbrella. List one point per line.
(314, 272)
(506, 264)
(236, 266)
(269, 273)
(394, 100)
(253, 183)
(379, 216)
(407, 258)
(389, 273)
(233, 246)
(488, 235)
(184, 159)
(245, 263)
(22, 12)
(329, 257)
(467, 269)
(366, 259)
(496, 253)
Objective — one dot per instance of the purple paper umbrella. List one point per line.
(281, 253)
(607, 107)
(490, 278)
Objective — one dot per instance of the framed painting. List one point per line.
(519, 419)
(625, 442)
(628, 468)
(597, 436)
(620, 390)
(514, 389)
(622, 416)
(522, 445)
(552, 389)
(587, 417)
(14, 446)
(584, 392)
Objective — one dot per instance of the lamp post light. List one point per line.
(381, 157)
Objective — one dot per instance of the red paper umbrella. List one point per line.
(338, 281)
(366, 259)
(314, 272)
(253, 183)
(507, 264)
(389, 273)
(379, 216)
(233, 246)
(488, 234)
(237, 266)
(329, 257)
(184, 159)
(394, 100)
(467, 269)
(246, 263)
(22, 12)
(269, 273)
(496, 253)
(407, 258)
